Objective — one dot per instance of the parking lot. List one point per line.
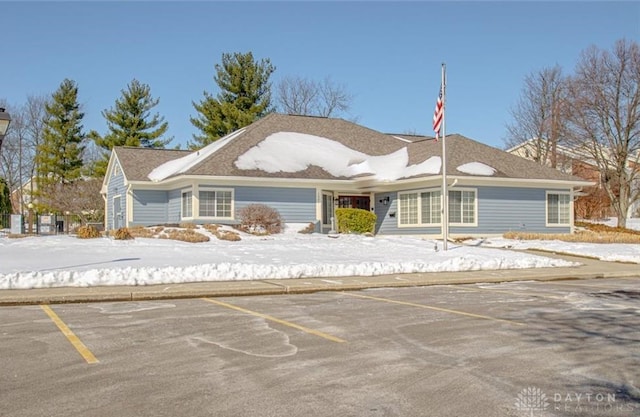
(562, 348)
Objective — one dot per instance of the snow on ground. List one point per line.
(614, 252)
(60, 261)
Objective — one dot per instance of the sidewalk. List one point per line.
(590, 269)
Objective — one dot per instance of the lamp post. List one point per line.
(30, 206)
(5, 120)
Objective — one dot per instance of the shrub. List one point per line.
(16, 236)
(587, 237)
(310, 228)
(188, 225)
(228, 235)
(599, 227)
(213, 228)
(140, 231)
(260, 219)
(122, 234)
(188, 235)
(87, 232)
(352, 220)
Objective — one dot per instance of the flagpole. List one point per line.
(445, 192)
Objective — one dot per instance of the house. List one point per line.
(593, 201)
(21, 197)
(305, 167)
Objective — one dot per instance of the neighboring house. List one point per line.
(21, 197)
(305, 167)
(592, 202)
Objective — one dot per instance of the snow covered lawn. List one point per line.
(59, 261)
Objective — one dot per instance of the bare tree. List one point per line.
(334, 98)
(296, 95)
(9, 152)
(605, 116)
(540, 116)
(80, 197)
(17, 160)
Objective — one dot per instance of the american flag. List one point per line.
(438, 114)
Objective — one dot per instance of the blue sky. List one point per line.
(387, 54)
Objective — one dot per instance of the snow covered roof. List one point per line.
(305, 147)
(294, 152)
(184, 164)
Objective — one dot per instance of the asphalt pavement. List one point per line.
(589, 269)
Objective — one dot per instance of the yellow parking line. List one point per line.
(277, 320)
(445, 310)
(71, 337)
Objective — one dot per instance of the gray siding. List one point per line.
(150, 207)
(387, 221)
(174, 209)
(295, 205)
(503, 209)
(500, 209)
(115, 186)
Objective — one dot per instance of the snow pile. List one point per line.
(294, 152)
(59, 261)
(477, 168)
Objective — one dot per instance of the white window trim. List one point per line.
(439, 224)
(431, 190)
(546, 209)
(399, 211)
(475, 208)
(182, 193)
(215, 189)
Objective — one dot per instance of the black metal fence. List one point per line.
(38, 224)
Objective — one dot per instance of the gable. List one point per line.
(138, 163)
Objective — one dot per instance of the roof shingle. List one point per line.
(137, 163)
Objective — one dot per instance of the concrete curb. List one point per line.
(304, 285)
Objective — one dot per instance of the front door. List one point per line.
(354, 201)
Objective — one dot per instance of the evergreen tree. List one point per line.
(5, 200)
(59, 154)
(245, 97)
(131, 123)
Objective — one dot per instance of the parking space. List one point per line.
(414, 351)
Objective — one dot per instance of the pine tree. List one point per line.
(59, 154)
(5, 200)
(245, 97)
(131, 123)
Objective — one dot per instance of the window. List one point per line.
(462, 206)
(215, 203)
(408, 209)
(558, 209)
(187, 204)
(424, 208)
(431, 203)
